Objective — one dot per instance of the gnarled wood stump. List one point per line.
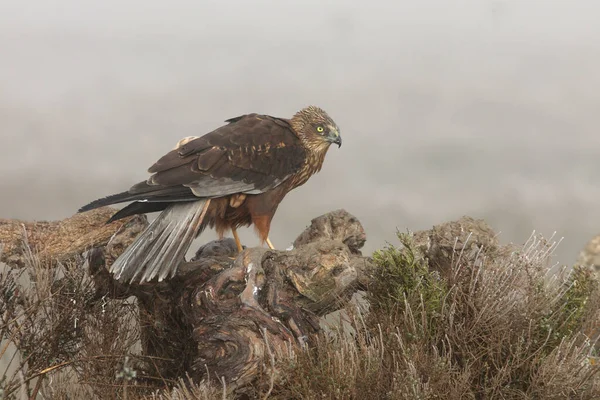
(220, 312)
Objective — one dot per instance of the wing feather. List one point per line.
(251, 154)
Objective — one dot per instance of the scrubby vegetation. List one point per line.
(497, 328)
(481, 322)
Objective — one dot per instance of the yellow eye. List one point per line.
(320, 129)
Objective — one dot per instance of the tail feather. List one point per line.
(159, 249)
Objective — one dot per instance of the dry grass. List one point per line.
(64, 337)
(499, 328)
(496, 327)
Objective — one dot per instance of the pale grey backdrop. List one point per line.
(481, 107)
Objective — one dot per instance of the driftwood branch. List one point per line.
(221, 310)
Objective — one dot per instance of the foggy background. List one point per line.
(481, 107)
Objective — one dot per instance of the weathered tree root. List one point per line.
(217, 315)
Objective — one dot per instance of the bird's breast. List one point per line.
(312, 165)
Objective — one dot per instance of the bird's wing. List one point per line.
(251, 154)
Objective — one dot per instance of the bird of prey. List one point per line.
(231, 177)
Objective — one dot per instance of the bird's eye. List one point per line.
(320, 129)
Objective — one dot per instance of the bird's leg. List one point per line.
(263, 224)
(237, 240)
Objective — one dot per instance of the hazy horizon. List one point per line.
(446, 108)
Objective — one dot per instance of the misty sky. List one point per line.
(482, 107)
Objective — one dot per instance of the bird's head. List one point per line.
(316, 129)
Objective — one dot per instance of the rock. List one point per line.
(442, 244)
(336, 225)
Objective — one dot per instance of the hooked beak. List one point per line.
(334, 136)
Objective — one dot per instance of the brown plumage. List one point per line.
(233, 176)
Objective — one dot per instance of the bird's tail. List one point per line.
(159, 249)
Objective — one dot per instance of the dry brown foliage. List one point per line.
(493, 325)
(468, 320)
(66, 239)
